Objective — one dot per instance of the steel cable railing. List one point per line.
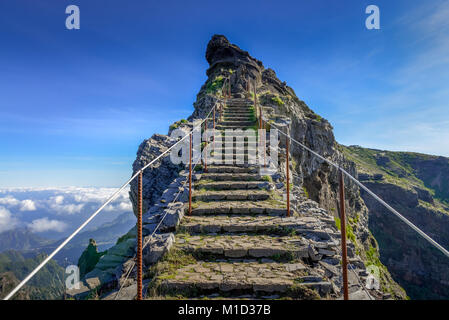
(109, 200)
(376, 197)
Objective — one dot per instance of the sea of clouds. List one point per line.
(52, 212)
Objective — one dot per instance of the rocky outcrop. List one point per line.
(158, 176)
(89, 258)
(8, 282)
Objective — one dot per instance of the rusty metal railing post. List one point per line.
(205, 148)
(265, 145)
(190, 175)
(343, 236)
(214, 132)
(288, 178)
(139, 239)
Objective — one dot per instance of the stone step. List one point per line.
(245, 119)
(237, 110)
(240, 156)
(231, 185)
(236, 127)
(248, 277)
(285, 248)
(231, 176)
(237, 123)
(231, 169)
(271, 207)
(239, 101)
(236, 162)
(250, 224)
(234, 150)
(239, 113)
(231, 195)
(241, 139)
(232, 116)
(236, 135)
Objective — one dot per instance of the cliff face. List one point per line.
(417, 186)
(285, 110)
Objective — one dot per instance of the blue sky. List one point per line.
(75, 104)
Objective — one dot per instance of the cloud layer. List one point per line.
(7, 222)
(44, 224)
(57, 210)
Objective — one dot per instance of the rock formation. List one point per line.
(89, 258)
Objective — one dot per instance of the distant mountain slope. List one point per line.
(417, 185)
(46, 284)
(31, 244)
(21, 239)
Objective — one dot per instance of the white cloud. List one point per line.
(125, 206)
(10, 201)
(7, 222)
(44, 224)
(27, 205)
(70, 208)
(58, 199)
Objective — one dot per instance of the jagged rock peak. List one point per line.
(220, 52)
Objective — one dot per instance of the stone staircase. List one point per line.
(238, 242)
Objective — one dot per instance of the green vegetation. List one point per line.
(305, 192)
(177, 124)
(372, 256)
(213, 86)
(349, 230)
(267, 178)
(47, 284)
(277, 100)
(125, 237)
(403, 170)
(89, 258)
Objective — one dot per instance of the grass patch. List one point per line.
(213, 86)
(305, 192)
(349, 230)
(267, 178)
(277, 100)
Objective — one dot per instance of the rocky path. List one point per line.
(239, 243)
